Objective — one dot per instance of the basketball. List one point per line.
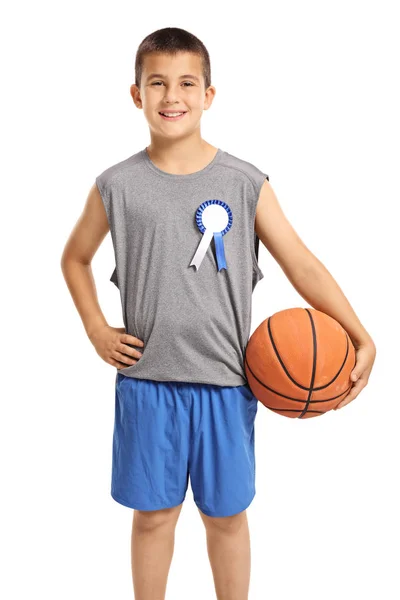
(298, 363)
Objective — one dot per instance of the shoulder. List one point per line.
(118, 171)
(244, 169)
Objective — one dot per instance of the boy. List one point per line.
(182, 403)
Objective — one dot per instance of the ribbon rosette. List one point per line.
(214, 219)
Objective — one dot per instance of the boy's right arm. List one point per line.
(90, 230)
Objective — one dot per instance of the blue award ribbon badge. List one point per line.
(214, 219)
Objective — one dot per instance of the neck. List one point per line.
(181, 156)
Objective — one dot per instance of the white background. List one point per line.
(309, 93)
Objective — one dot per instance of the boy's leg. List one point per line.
(228, 546)
(222, 473)
(153, 537)
(150, 473)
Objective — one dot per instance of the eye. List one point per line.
(185, 82)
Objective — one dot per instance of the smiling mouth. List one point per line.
(177, 115)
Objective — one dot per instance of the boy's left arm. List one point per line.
(313, 282)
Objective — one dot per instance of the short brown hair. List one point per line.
(172, 40)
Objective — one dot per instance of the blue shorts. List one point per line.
(165, 431)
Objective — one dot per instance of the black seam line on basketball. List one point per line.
(314, 366)
(319, 412)
(340, 368)
(303, 387)
(290, 397)
(321, 387)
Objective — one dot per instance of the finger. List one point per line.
(355, 390)
(357, 372)
(117, 364)
(126, 338)
(359, 369)
(122, 358)
(350, 396)
(124, 349)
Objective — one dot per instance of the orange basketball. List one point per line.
(298, 363)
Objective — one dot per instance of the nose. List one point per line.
(170, 95)
(170, 99)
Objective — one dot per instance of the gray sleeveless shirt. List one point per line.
(194, 322)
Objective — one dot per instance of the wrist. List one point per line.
(94, 327)
(365, 340)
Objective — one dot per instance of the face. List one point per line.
(179, 86)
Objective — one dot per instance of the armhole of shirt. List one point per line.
(104, 197)
(256, 245)
(106, 203)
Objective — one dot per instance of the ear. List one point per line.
(135, 93)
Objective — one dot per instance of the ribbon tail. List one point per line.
(219, 249)
(202, 249)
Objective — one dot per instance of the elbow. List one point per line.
(67, 259)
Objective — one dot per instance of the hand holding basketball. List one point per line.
(365, 357)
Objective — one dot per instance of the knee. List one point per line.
(231, 524)
(150, 520)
